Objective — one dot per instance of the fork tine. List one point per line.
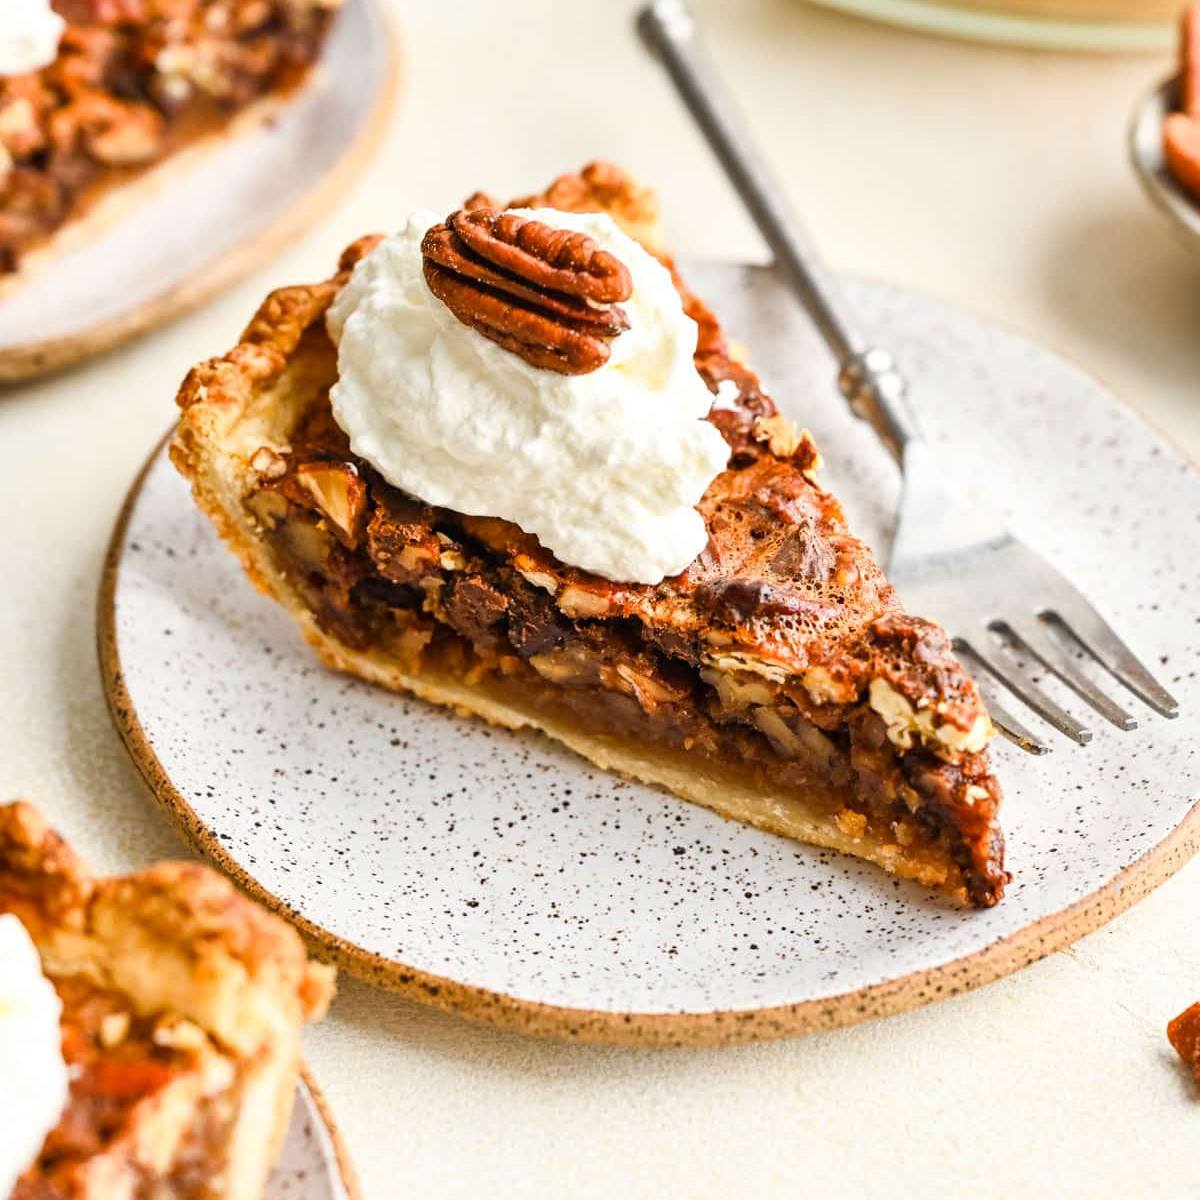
(1001, 717)
(1005, 669)
(1031, 635)
(1013, 729)
(1080, 621)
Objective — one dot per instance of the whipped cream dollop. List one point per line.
(30, 31)
(605, 468)
(33, 1076)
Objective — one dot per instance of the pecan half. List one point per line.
(549, 295)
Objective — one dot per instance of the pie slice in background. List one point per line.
(134, 83)
(181, 1009)
(776, 680)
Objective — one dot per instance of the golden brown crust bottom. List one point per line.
(258, 394)
(176, 942)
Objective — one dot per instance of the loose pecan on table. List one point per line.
(1184, 1034)
(550, 295)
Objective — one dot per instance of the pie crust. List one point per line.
(183, 1003)
(776, 681)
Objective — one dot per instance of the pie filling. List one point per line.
(433, 592)
(151, 1108)
(134, 81)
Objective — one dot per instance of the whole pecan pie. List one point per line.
(182, 1004)
(134, 82)
(776, 680)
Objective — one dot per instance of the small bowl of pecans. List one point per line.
(1164, 137)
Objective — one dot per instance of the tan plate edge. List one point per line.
(918, 988)
(56, 354)
(346, 1171)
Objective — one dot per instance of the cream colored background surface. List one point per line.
(992, 177)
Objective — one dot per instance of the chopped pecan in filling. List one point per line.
(135, 80)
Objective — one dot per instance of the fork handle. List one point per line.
(867, 376)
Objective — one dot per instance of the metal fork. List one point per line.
(1009, 612)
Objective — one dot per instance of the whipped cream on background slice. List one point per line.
(604, 468)
(29, 35)
(33, 1076)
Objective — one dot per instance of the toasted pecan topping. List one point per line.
(558, 259)
(549, 295)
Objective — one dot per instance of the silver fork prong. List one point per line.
(1003, 666)
(1004, 721)
(1032, 635)
(1013, 729)
(1084, 625)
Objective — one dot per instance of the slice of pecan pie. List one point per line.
(775, 680)
(182, 1003)
(134, 82)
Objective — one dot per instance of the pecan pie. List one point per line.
(134, 82)
(182, 1004)
(776, 680)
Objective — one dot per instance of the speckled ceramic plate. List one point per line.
(496, 874)
(313, 1164)
(209, 216)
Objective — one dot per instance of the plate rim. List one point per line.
(341, 1155)
(914, 989)
(35, 359)
(999, 28)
